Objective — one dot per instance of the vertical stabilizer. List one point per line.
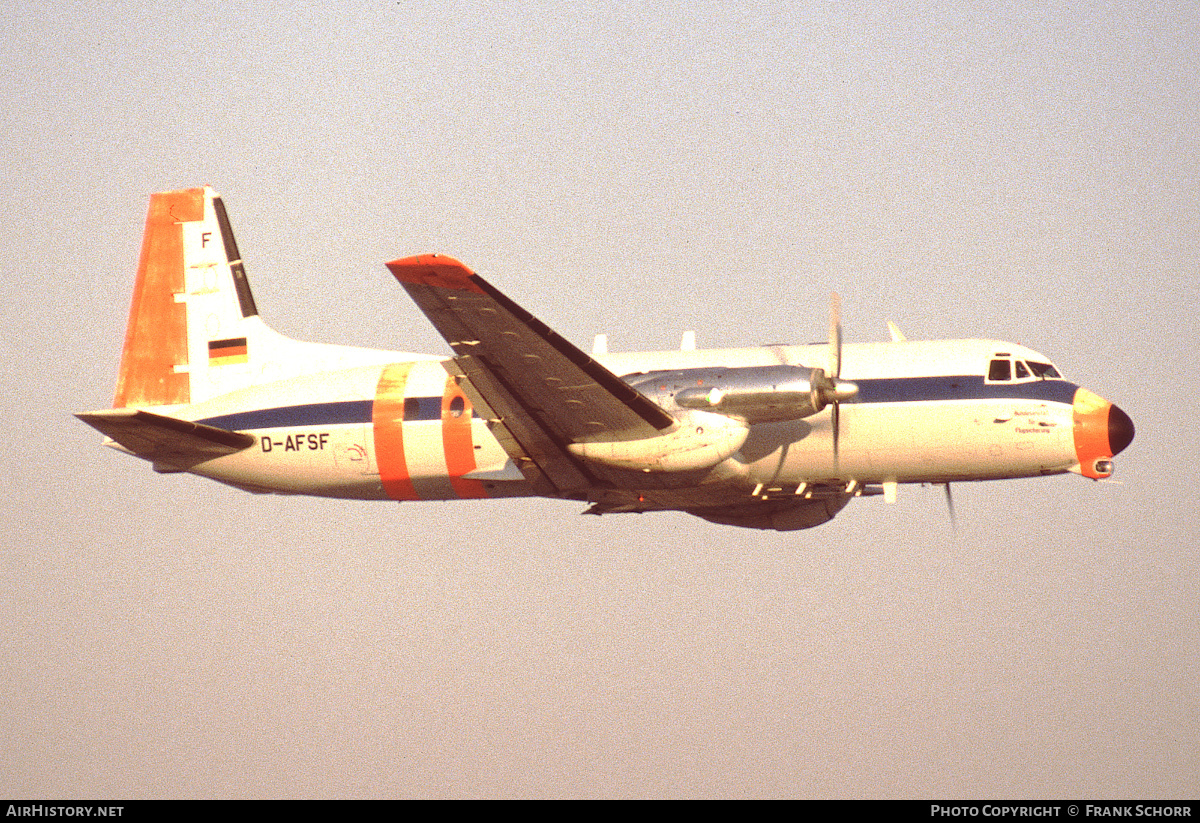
(193, 321)
(194, 332)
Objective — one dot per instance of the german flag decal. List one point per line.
(227, 352)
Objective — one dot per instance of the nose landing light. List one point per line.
(1101, 431)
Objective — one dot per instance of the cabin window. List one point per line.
(1045, 371)
(422, 408)
(1000, 370)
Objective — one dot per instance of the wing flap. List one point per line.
(541, 459)
(169, 443)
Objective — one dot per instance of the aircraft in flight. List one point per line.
(774, 437)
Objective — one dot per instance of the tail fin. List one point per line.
(194, 330)
(193, 317)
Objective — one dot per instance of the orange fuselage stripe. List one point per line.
(457, 442)
(387, 423)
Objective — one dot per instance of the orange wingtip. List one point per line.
(435, 270)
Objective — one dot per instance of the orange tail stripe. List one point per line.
(156, 337)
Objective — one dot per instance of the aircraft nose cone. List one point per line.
(1120, 430)
(1101, 430)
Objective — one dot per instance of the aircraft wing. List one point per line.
(169, 443)
(543, 390)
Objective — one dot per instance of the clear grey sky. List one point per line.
(1020, 170)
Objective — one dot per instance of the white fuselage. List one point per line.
(925, 413)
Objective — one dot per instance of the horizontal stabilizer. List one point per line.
(169, 443)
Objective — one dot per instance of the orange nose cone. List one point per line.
(1101, 430)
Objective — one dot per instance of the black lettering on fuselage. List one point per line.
(310, 441)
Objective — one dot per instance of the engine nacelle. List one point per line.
(755, 394)
(700, 441)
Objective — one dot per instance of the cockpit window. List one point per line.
(1044, 371)
(1000, 370)
(1022, 372)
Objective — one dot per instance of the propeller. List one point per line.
(829, 388)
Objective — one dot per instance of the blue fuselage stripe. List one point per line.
(310, 414)
(882, 390)
(959, 387)
(342, 413)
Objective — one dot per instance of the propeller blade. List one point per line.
(837, 413)
(835, 336)
(950, 508)
(835, 370)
